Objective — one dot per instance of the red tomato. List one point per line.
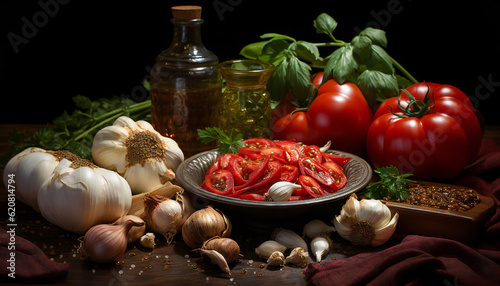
(220, 182)
(289, 173)
(337, 174)
(336, 158)
(313, 151)
(436, 145)
(339, 113)
(311, 186)
(310, 167)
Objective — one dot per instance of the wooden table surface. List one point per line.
(173, 264)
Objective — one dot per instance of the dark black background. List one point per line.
(106, 48)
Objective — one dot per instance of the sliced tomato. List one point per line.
(237, 167)
(311, 186)
(337, 173)
(275, 153)
(289, 173)
(313, 151)
(251, 197)
(220, 182)
(257, 170)
(327, 157)
(310, 167)
(292, 150)
(270, 175)
(258, 143)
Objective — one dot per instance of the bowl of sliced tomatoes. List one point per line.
(238, 182)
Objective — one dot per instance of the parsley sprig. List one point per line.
(226, 143)
(391, 184)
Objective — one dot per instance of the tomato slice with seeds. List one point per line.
(237, 167)
(257, 170)
(258, 143)
(291, 149)
(251, 197)
(289, 173)
(313, 151)
(337, 173)
(327, 157)
(309, 166)
(220, 182)
(311, 186)
(270, 175)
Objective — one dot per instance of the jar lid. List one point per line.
(186, 12)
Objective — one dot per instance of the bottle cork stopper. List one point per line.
(186, 12)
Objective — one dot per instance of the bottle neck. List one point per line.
(187, 32)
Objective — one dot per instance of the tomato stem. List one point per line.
(403, 70)
(415, 108)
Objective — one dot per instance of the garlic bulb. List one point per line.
(163, 215)
(320, 246)
(289, 238)
(144, 157)
(317, 227)
(298, 257)
(276, 258)
(227, 247)
(365, 222)
(205, 224)
(79, 195)
(148, 240)
(281, 191)
(265, 249)
(32, 167)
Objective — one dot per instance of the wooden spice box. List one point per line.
(463, 226)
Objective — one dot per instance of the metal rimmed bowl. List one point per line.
(192, 171)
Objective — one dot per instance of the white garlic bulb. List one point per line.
(77, 197)
(135, 150)
(281, 191)
(31, 168)
(365, 222)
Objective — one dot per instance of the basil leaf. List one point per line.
(277, 84)
(272, 49)
(276, 36)
(379, 60)
(370, 82)
(376, 35)
(299, 76)
(361, 48)
(254, 50)
(306, 51)
(325, 24)
(341, 64)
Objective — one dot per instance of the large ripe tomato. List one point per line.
(339, 113)
(436, 144)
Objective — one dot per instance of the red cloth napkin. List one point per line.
(420, 260)
(28, 262)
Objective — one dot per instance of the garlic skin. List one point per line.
(276, 258)
(281, 191)
(77, 199)
(320, 246)
(297, 257)
(265, 249)
(289, 238)
(365, 222)
(316, 228)
(32, 167)
(148, 240)
(135, 150)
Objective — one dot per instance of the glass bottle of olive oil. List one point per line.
(185, 84)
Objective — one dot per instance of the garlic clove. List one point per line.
(265, 249)
(227, 247)
(382, 235)
(216, 258)
(289, 238)
(163, 215)
(276, 258)
(320, 246)
(297, 257)
(326, 147)
(167, 190)
(374, 212)
(281, 191)
(316, 227)
(148, 240)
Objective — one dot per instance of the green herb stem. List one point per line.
(403, 70)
